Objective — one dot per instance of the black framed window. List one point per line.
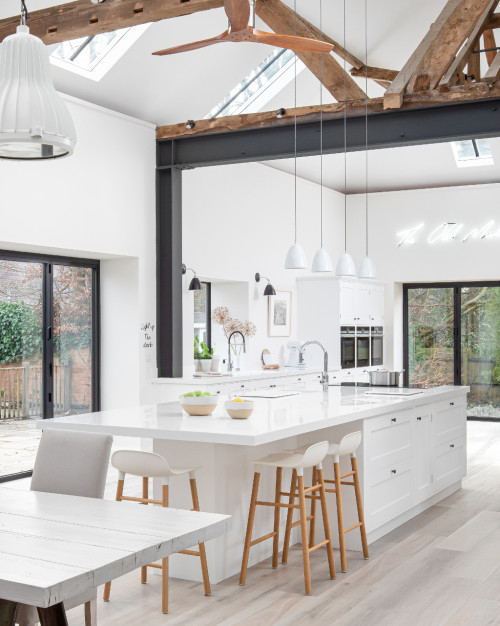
(203, 314)
(452, 337)
(49, 348)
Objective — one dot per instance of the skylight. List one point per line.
(472, 152)
(254, 84)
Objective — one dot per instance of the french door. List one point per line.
(452, 337)
(49, 348)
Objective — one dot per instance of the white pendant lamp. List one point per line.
(345, 265)
(34, 121)
(296, 257)
(322, 261)
(367, 268)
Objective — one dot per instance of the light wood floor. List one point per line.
(442, 567)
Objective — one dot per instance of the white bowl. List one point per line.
(199, 400)
(239, 410)
(199, 406)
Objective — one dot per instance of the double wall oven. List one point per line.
(361, 346)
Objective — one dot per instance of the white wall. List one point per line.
(98, 203)
(394, 212)
(238, 220)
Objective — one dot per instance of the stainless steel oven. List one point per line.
(363, 346)
(347, 347)
(377, 340)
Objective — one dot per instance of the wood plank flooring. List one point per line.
(441, 568)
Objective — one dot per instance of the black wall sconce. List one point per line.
(195, 284)
(269, 290)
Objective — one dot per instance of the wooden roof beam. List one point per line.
(438, 49)
(379, 74)
(81, 18)
(282, 19)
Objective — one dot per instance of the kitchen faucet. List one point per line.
(229, 360)
(324, 378)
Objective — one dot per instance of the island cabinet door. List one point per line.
(422, 443)
(389, 493)
(449, 420)
(449, 463)
(388, 440)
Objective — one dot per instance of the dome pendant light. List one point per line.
(367, 268)
(345, 265)
(295, 258)
(34, 121)
(322, 261)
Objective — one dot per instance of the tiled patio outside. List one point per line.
(18, 445)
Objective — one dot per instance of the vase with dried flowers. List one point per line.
(222, 317)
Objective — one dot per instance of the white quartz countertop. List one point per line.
(239, 376)
(272, 419)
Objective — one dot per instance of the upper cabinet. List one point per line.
(361, 304)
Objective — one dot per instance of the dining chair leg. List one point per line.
(326, 523)
(201, 546)
(312, 527)
(277, 511)
(289, 517)
(164, 562)
(53, 616)
(90, 609)
(145, 495)
(8, 612)
(248, 536)
(119, 496)
(303, 528)
(340, 517)
(359, 504)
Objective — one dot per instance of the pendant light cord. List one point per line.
(295, 118)
(366, 123)
(345, 136)
(24, 13)
(321, 119)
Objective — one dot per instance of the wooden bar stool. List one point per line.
(148, 465)
(311, 457)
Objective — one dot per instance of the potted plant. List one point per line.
(197, 354)
(206, 357)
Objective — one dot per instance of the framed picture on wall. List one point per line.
(279, 314)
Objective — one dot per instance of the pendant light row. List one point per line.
(296, 258)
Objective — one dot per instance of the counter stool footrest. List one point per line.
(319, 545)
(142, 500)
(260, 539)
(277, 504)
(297, 523)
(155, 565)
(189, 552)
(358, 525)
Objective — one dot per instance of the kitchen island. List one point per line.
(413, 455)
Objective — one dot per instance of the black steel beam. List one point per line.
(169, 272)
(388, 129)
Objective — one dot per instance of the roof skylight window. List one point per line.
(254, 84)
(472, 152)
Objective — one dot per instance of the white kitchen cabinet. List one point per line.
(449, 463)
(389, 493)
(422, 441)
(348, 303)
(361, 304)
(376, 305)
(389, 440)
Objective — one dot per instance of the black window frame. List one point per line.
(48, 261)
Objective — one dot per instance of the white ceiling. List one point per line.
(165, 90)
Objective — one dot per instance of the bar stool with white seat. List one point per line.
(347, 446)
(297, 462)
(149, 465)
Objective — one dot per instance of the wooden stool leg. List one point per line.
(164, 562)
(277, 511)
(326, 523)
(305, 544)
(119, 495)
(248, 537)
(8, 612)
(312, 527)
(359, 504)
(201, 546)
(340, 517)
(145, 495)
(289, 517)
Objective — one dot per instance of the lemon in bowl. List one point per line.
(239, 408)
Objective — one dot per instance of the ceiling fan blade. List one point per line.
(297, 44)
(238, 13)
(195, 45)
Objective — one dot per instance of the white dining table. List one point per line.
(54, 547)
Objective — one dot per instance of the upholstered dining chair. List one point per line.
(76, 464)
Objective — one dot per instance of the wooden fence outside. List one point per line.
(21, 390)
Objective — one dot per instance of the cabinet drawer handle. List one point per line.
(218, 391)
(419, 419)
(452, 445)
(299, 379)
(452, 404)
(393, 471)
(242, 386)
(393, 419)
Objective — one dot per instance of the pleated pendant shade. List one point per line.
(34, 121)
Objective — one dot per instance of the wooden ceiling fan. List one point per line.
(241, 16)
